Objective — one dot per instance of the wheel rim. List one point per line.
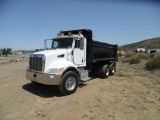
(70, 83)
(107, 72)
(113, 69)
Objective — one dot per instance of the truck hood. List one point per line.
(52, 56)
(51, 52)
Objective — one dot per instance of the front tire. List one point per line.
(69, 83)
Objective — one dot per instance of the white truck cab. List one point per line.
(66, 64)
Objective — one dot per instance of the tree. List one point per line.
(0, 52)
(6, 52)
(9, 51)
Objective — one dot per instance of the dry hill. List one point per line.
(153, 43)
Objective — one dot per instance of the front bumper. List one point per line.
(47, 79)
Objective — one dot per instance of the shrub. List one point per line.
(146, 56)
(143, 56)
(151, 55)
(153, 63)
(125, 60)
(135, 60)
(128, 55)
(120, 54)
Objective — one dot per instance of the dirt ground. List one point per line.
(131, 94)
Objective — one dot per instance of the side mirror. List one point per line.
(81, 44)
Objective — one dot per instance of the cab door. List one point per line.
(79, 53)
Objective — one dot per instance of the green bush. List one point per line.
(143, 56)
(135, 60)
(128, 55)
(146, 56)
(125, 60)
(151, 55)
(153, 63)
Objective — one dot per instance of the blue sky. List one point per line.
(24, 24)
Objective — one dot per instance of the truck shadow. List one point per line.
(81, 85)
(45, 91)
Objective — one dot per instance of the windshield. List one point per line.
(62, 43)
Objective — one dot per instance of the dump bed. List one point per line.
(104, 51)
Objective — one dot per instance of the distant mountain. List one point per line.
(153, 43)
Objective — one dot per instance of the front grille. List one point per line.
(36, 63)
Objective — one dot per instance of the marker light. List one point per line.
(80, 32)
(60, 33)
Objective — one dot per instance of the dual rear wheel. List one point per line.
(106, 70)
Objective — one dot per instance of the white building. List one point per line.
(154, 51)
(140, 50)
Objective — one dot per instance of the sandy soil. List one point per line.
(131, 94)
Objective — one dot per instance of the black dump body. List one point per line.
(104, 51)
(96, 51)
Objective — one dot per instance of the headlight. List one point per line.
(55, 70)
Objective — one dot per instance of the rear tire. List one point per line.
(105, 71)
(112, 69)
(69, 83)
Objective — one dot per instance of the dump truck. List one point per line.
(73, 57)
